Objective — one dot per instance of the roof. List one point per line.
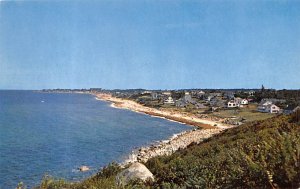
(291, 107)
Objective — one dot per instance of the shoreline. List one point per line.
(204, 130)
(177, 117)
(167, 147)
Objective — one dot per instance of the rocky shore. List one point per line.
(167, 147)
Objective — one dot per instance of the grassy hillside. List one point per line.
(261, 154)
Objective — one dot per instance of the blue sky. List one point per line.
(149, 44)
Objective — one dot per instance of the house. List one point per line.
(273, 109)
(244, 102)
(217, 102)
(169, 100)
(180, 103)
(268, 107)
(154, 96)
(291, 109)
(232, 104)
(238, 101)
(251, 93)
(167, 93)
(263, 105)
(187, 97)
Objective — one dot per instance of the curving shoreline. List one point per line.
(178, 141)
(174, 116)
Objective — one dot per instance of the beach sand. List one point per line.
(174, 116)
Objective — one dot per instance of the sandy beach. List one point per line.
(207, 128)
(174, 116)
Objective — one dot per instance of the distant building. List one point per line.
(180, 103)
(154, 96)
(238, 101)
(251, 93)
(188, 98)
(217, 102)
(167, 93)
(232, 104)
(268, 107)
(169, 100)
(244, 102)
(262, 107)
(201, 93)
(273, 109)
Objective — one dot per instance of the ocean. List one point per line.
(55, 133)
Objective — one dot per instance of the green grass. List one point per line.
(249, 113)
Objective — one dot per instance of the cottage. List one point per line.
(244, 102)
(238, 100)
(263, 106)
(169, 100)
(187, 97)
(273, 109)
(167, 93)
(268, 107)
(217, 102)
(180, 103)
(232, 104)
(154, 96)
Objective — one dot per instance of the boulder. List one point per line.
(134, 171)
(84, 168)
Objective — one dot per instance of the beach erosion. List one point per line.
(203, 129)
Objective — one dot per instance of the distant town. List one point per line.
(231, 106)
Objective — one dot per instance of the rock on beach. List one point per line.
(134, 171)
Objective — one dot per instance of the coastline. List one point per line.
(173, 144)
(204, 129)
(173, 116)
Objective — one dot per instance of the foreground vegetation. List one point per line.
(261, 154)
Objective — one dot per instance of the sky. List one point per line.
(168, 44)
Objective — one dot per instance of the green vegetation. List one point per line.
(248, 113)
(261, 154)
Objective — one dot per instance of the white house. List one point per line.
(232, 104)
(244, 102)
(169, 100)
(263, 106)
(268, 107)
(237, 102)
(273, 109)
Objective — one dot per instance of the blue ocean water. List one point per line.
(55, 133)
